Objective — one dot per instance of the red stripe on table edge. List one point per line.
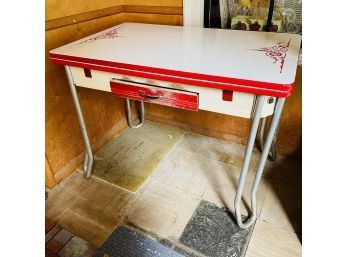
(249, 86)
(175, 73)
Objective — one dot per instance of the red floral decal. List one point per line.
(277, 53)
(106, 35)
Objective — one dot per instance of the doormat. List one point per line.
(129, 159)
(212, 231)
(124, 242)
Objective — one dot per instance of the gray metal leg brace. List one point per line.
(88, 163)
(262, 162)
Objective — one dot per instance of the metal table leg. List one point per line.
(129, 115)
(88, 162)
(273, 155)
(262, 162)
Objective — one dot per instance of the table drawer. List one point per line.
(153, 94)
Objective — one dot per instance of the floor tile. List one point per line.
(48, 253)
(102, 217)
(57, 203)
(52, 232)
(92, 213)
(283, 206)
(107, 196)
(77, 247)
(269, 240)
(224, 152)
(76, 183)
(59, 240)
(222, 188)
(162, 210)
(213, 232)
(125, 242)
(97, 212)
(49, 224)
(85, 228)
(185, 171)
(53, 246)
(65, 194)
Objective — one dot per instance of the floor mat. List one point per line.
(213, 232)
(124, 242)
(130, 158)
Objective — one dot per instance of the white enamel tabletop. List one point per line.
(257, 56)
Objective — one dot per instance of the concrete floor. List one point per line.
(197, 168)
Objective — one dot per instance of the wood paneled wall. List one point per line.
(64, 144)
(104, 114)
(61, 8)
(67, 21)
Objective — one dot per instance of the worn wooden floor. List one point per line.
(197, 168)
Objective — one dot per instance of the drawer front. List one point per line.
(152, 94)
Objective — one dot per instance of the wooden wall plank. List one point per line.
(82, 17)
(78, 18)
(153, 9)
(177, 3)
(60, 8)
(154, 18)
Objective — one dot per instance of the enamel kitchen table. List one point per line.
(240, 73)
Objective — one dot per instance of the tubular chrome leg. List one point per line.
(129, 115)
(88, 162)
(246, 161)
(273, 155)
(85, 163)
(262, 162)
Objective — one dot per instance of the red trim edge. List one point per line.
(196, 79)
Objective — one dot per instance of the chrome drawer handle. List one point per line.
(142, 94)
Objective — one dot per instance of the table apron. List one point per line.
(210, 99)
